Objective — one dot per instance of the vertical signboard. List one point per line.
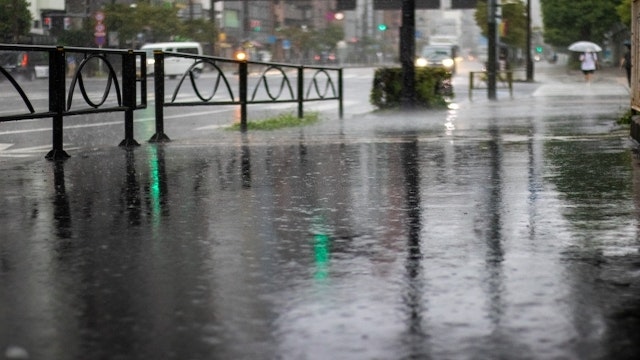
(464, 4)
(342, 5)
(635, 55)
(397, 4)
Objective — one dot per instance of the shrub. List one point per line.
(432, 87)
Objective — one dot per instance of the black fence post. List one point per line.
(129, 97)
(57, 91)
(243, 72)
(158, 80)
(300, 92)
(340, 95)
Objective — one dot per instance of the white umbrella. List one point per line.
(585, 46)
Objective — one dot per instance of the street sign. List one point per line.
(100, 40)
(100, 30)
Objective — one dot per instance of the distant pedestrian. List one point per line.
(589, 64)
(626, 61)
(71, 65)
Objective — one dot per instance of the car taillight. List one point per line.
(24, 60)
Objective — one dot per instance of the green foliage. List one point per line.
(625, 118)
(81, 37)
(514, 14)
(624, 12)
(199, 30)
(305, 40)
(328, 38)
(156, 23)
(430, 87)
(15, 20)
(280, 121)
(568, 21)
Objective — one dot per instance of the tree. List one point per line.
(568, 21)
(152, 23)
(199, 30)
(514, 18)
(624, 11)
(328, 38)
(15, 20)
(301, 39)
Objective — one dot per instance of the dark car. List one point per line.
(25, 64)
(325, 57)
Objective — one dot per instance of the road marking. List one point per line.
(212, 127)
(5, 152)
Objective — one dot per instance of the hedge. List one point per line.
(433, 86)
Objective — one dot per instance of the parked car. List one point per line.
(25, 64)
(173, 66)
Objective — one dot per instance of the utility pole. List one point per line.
(493, 49)
(529, 60)
(407, 54)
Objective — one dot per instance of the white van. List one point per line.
(174, 66)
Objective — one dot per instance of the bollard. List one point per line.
(243, 73)
(129, 97)
(57, 103)
(158, 76)
(300, 92)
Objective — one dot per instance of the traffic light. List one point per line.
(382, 27)
(539, 49)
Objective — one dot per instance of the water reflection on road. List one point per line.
(506, 245)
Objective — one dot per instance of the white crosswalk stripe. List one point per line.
(7, 152)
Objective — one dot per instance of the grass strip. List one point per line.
(280, 121)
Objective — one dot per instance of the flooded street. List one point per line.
(491, 230)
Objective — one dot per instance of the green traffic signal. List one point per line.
(382, 27)
(538, 49)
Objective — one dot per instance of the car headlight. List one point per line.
(421, 62)
(448, 63)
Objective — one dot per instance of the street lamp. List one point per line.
(492, 33)
(407, 54)
(529, 60)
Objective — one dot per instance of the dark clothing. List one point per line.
(627, 65)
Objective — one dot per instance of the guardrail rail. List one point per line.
(504, 80)
(124, 76)
(118, 95)
(293, 84)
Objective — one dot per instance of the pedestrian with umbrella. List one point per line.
(626, 61)
(588, 58)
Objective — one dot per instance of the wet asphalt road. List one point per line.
(503, 229)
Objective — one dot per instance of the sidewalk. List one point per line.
(558, 80)
(485, 230)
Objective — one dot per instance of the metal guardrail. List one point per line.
(311, 83)
(61, 97)
(324, 83)
(476, 78)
